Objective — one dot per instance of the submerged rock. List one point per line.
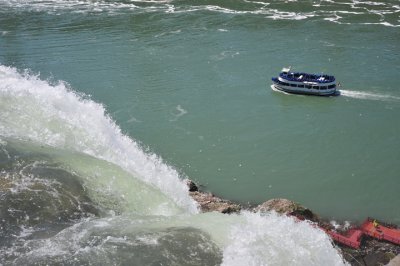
(40, 199)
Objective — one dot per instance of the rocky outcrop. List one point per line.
(208, 203)
(285, 206)
(279, 205)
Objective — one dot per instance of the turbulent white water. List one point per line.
(269, 241)
(91, 145)
(32, 109)
(371, 12)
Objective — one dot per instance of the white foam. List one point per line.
(265, 9)
(25, 232)
(278, 240)
(80, 6)
(368, 3)
(384, 23)
(275, 89)
(245, 239)
(225, 54)
(276, 14)
(168, 33)
(33, 109)
(181, 112)
(337, 226)
(133, 119)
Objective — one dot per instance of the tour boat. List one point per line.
(304, 83)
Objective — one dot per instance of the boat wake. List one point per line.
(356, 95)
(368, 96)
(275, 89)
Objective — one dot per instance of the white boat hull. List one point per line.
(307, 91)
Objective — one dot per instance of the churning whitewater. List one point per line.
(55, 116)
(76, 190)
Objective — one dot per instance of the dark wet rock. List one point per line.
(191, 185)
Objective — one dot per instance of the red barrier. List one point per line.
(373, 228)
(351, 239)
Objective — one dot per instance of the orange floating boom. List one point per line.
(372, 228)
(351, 239)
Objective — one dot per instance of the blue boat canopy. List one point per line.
(302, 76)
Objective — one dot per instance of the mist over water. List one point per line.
(106, 106)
